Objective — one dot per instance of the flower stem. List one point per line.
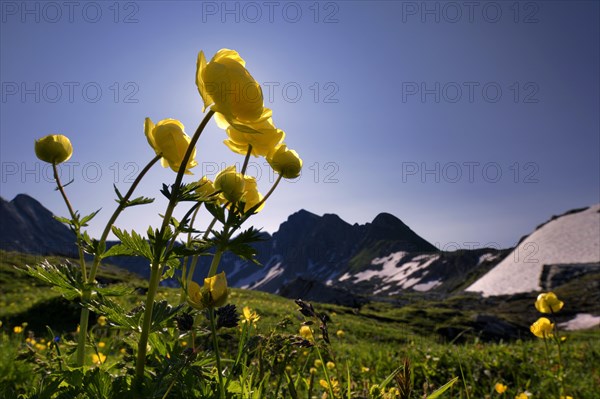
(73, 219)
(140, 364)
(215, 340)
(215, 263)
(156, 266)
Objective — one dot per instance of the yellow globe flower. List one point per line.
(17, 329)
(230, 183)
(206, 188)
(542, 328)
(306, 333)
(285, 162)
(500, 388)
(262, 135)
(226, 84)
(168, 139)
(251, 197)
(54, 148)
(212, 294)
(330, 365)
(548, 303)
(102, 321)
(340, 334)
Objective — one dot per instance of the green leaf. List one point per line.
(85, 219)
(63, 220)
(438, 392)
(131, 244)
(64, 278)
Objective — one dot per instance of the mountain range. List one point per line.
(324, 258)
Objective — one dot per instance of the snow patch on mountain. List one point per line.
(581, 321)
(573, 238)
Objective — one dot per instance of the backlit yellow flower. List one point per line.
(206, 188)
(101, 344)
(226, 84)
(212, 294)
(285, 162)
(542, 328)
(18, 329)
(548, 303)
(251, 196)
(263, 136)
(98, 358)
(54, 148)
(230, 183)
(168, 139)
(306, 333)
(500, 388)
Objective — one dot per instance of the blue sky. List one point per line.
(471, 122)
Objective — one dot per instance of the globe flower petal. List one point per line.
(500, 388)
(168, 139)
(542, 328)
(54, 148)
(285, 162)
(548, 303)
(206, 188)
(263, 138)
(230, 183)
(251, 196)
(226, 84)
(216, 286)
(306, 333)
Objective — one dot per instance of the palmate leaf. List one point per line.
(116, 315)
(132, 244)
(65, 278)
(162, 312)
(84, 220)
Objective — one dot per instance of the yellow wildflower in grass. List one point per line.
(249, 316)
(318, 363)
(330, 365)
(101, 344)
(285, 162)
(313, 370)
(40, 347)
(18, 329)
(542, 328)
(340, 334)
(263, 136)
(306, 333)
(230, 183)
(54, 148)
(226, 84)
(325, 385)
(566, 397)
(212, 294)
(251, 197)
(98, 358)
(183, 343)
(102, 321)
(500, 388)
(548, 303)
(523, 395)
(364, 369)
(168, 138)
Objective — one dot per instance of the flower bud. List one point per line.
(168, 139)
(542, 328)
(285, 162)
(54, 148)
(206, 188)
(230, 183)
